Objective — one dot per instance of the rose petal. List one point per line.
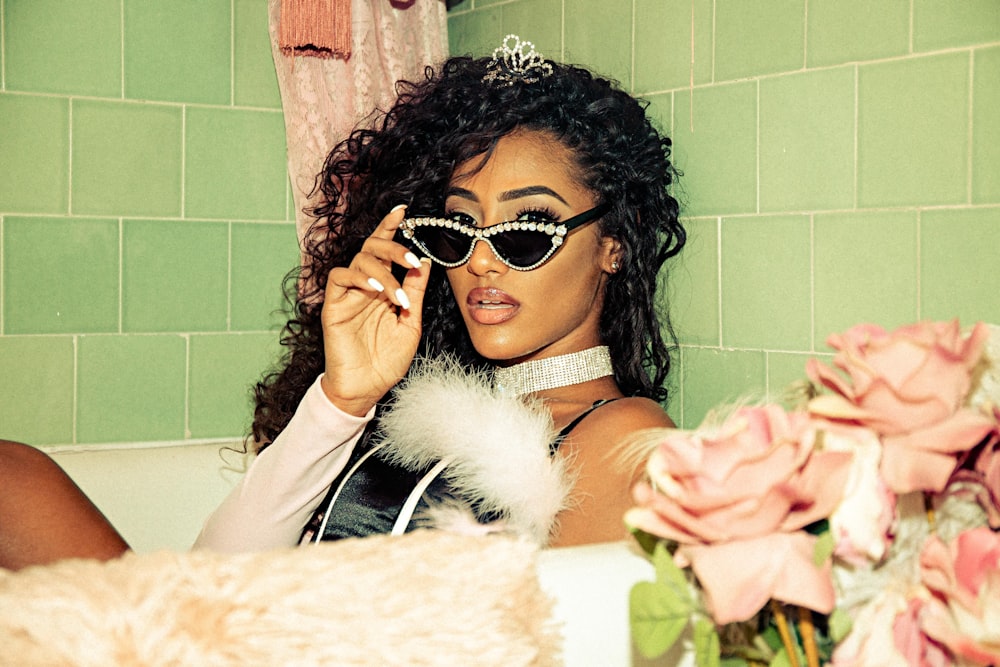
(835, 406)
(739, 577)
(925, 459)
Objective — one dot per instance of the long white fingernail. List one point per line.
(404, 301)
(412, 260)
(397, 207)
(376, 285)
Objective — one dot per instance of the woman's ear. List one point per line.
(611, 255)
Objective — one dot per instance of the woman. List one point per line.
(512, 139)
(559, 307)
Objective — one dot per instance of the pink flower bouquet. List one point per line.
(855, 529)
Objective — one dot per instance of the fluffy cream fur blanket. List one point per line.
(426, 598)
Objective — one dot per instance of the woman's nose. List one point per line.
(483, 260)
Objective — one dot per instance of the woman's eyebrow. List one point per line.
(509, 195)
(461, 192)
(529, 191)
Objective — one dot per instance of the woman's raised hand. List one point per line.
(371, 322)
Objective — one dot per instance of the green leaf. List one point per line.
(781, 659)
(733, 662)
(824, 548)
(840, 624)
(771, 637)
(645, 541)
(668, 573)
(657, 616)
(706, 644)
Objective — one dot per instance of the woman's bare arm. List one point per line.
(44, 516)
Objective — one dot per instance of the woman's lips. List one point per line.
(488, 305)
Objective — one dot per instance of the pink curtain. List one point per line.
(323, 98)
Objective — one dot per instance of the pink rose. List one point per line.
(913, 643)
(964, 577)
(908, 385)
(886, 633)
(862, 523)
(987, 472)
(731, 494)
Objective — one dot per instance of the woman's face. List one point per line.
(554, 309)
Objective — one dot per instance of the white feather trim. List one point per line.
(498, 445)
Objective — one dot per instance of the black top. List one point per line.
(372, 493)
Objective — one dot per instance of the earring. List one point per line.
(615, 266)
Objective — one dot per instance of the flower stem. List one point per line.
(786, 636)
(808, 633)
(929, 510)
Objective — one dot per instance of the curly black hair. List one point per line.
(409, 154)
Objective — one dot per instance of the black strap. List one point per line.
(554, 447)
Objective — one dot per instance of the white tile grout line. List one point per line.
(121, 275)
(69, 156)
(680, 386)
(121, 33)
(857, 131)
(805, 35)
(691, 76)
(919, 264)
(718, 273)
(969, 128)
(812, 282)
(562, 31)
(187, 385)
(757, 141)
(712, 78)
(909, 46)
(3, 49)
(232, 52)
(631, 86)
(76, 388)
(184, 111)
(229, 278)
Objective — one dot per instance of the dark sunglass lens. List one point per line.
(522, 247)
(447, 245)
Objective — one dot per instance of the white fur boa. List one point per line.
(497, 445)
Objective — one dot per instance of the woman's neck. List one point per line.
(543, 375)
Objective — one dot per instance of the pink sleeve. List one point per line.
(283, 486)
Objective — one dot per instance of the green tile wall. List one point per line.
(224, 368)
(174, 276)
(34, 140)
(126, 158)
(60, 275)
(913, 131)
(145, 223)
(840, 164)
(178, 51)
(54, 46)
(840, 159)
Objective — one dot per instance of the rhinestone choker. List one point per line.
(552, 372)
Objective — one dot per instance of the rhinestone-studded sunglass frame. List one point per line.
(520, 244)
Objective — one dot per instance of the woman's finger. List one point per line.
(390, 252)
(387, 227)
(415, 286)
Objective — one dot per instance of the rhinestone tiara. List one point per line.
(516, 61)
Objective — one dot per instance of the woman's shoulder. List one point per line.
(614, 421)
(634, 412)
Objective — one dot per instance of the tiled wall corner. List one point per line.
(840, 159)
(145, 225)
